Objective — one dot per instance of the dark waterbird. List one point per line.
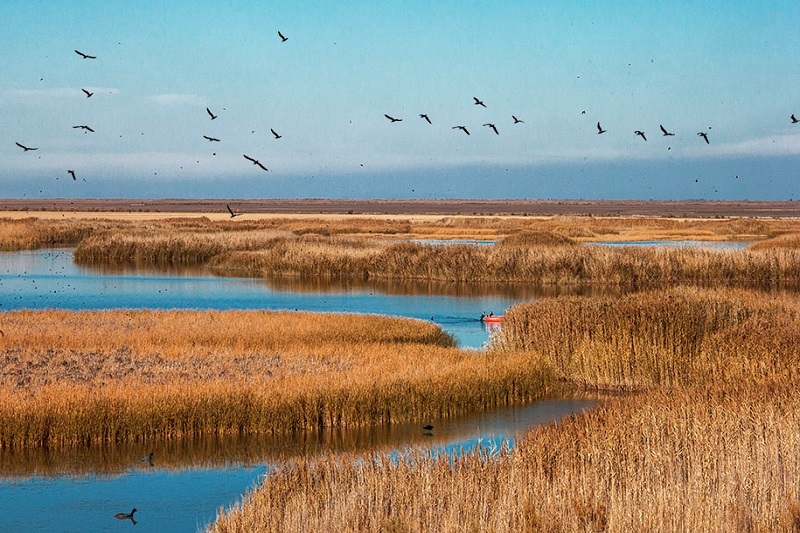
(126, 516)
(423, 115)
(516, 120)
(275, 133)
(640, 133)
(665, 132)
(428, 427)
(478, 101)
(255, 161)
(83, 127)
(85, 56)
(283, 38)
(210, 114)
(214, 139)
(704, 135)
(462, 128)
(794, 120)
(493, 128)
(72, 173)
(87, 93)
(392, 119)
(600, 129)
(26, 148)
(232, 212)
(147, 458)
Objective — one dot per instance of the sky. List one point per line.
(728, 69)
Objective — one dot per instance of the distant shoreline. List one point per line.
(321, 206)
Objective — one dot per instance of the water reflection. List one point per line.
(190, 480)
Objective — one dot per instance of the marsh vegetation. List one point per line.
(702, 344)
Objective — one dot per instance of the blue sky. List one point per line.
(729, 69)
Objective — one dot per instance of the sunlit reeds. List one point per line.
(683, 460)
(684, 336)
(82, 378)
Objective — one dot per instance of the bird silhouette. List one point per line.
(600, 129)
(147, 458)
(255, 161)
(640, 134)
(704, 135)
(428, 427)
(516, 120)
(231, 211)
(210, 114)
(87, 128)
(275, 133)
(210, 138)
(72, 173)
(666, 133)
(88, 94)
(462, 128)
(478, 102)
(85, 56)
(794, 120)
(493, 127)
(283, 39)
(126, 516)
(26, 148)
(423, 115)
(392, 119)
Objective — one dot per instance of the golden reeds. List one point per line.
(81, 378)
(683, 460)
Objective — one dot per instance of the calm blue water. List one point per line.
(49, 279)
(187, 498)
(711, 245)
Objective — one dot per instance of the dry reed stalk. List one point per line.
(715, 460)
(80, 378)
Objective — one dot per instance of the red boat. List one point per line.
(492, 319)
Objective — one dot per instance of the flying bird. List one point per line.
(88, 94)
(493, 127)
(87, 128)
(640, 134)
(26, 148)
(666, 133)
(462, 128)
(423, 115)
(210, 138)
(392, 119)
(275, 133)
(704, 135)
(283, 39)
(794, 120)
(231, 211)
(600, 129)
(72, 173)
(516, 120)
(478, 102)
(85, 56)
(255, 161)
(212, 115)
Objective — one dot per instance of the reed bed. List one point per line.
(83, 378)
(29, 234)
(629, 267)
(678, 460)
(676, 337)
(709, 443)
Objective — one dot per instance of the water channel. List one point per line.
(188, 482)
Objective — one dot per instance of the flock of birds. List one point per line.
(393, 119)
(211, 114)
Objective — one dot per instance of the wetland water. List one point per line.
(189, 481)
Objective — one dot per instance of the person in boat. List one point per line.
(483, 316)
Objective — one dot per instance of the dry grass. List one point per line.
(85, 378)
(678, 337)
(711, 446)
(683, 460)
